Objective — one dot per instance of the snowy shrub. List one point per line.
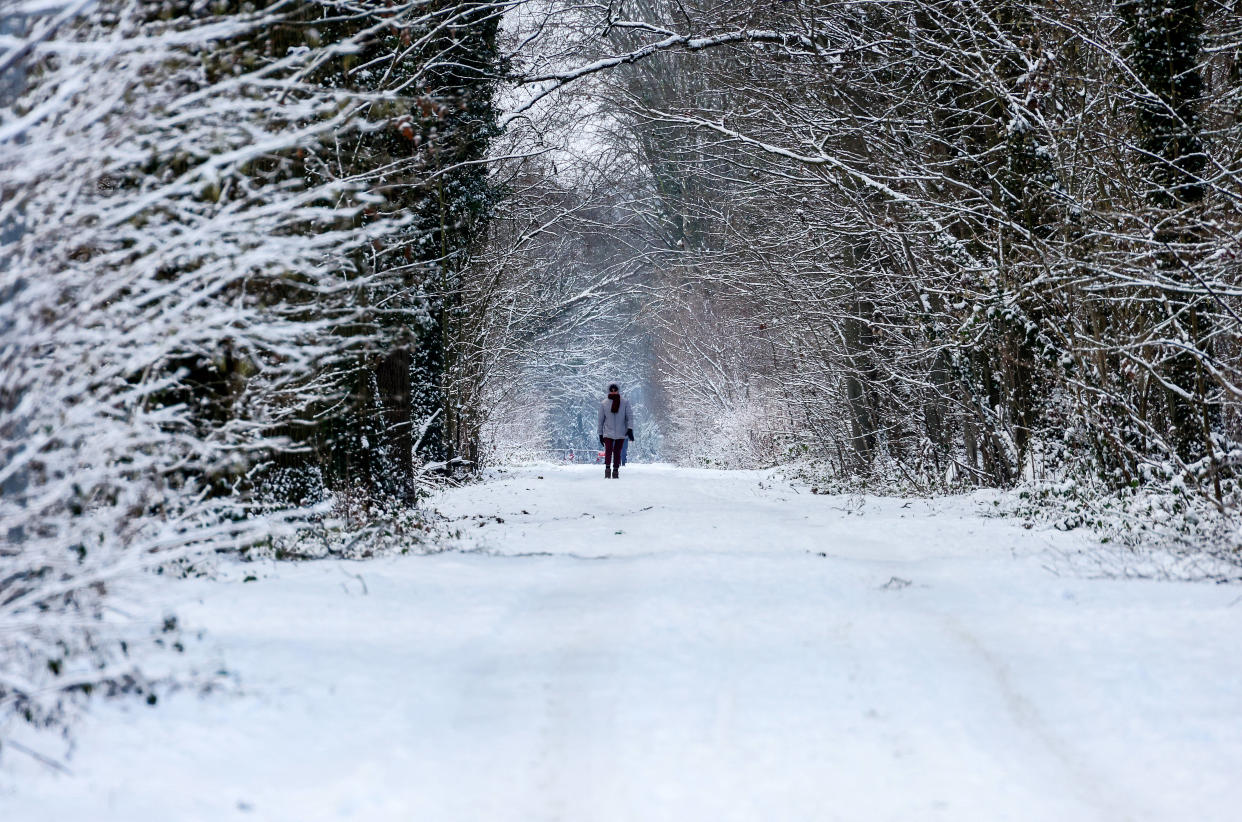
(186, 274)
(729, 438)
(1158, 530)
(105, 472)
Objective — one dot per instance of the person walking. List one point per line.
(616, 424)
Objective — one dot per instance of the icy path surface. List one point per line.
(683, 645)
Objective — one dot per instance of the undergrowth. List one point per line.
(1161, 529)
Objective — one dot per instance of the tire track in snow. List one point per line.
(1088, 782)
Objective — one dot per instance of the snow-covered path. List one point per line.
(684, 645)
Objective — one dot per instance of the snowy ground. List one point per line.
(682, 645)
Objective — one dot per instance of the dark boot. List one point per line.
(607, 471)
(616, 472)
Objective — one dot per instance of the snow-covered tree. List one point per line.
(209, 246)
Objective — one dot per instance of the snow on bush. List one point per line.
(166, 292)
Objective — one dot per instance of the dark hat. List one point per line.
(613, 387)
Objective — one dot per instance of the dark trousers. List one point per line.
(612, 452)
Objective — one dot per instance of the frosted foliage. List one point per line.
(155, 230)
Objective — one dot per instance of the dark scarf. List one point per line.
(616, 401)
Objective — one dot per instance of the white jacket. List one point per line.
(613, 426)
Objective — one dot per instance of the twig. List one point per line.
(38, 757)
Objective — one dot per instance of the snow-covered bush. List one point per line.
(188, 269)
